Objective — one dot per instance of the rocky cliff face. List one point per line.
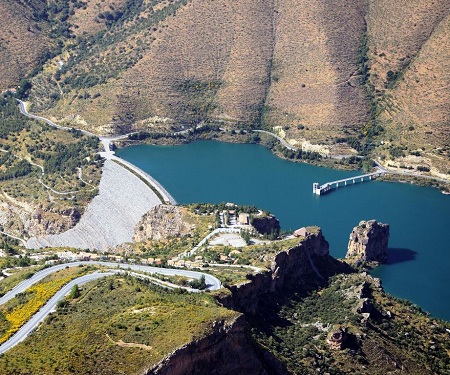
(289, 270)
(225, 351)
(25, 220)
(228, 350)
(44, 222)
(162, 221)
(368, 242)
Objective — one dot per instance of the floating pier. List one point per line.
(329, 186)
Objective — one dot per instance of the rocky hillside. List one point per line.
(370, 74)
(310, 313)
(162, 222)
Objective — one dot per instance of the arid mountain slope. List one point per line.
(316, 90)
(23, 41)
(420, 99)
(216, 69)
(365, 70)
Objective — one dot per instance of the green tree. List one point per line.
(75, 292)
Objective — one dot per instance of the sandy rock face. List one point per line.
(288, 270)
(368, 242)
(160, 222)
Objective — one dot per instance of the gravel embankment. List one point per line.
(110, 218)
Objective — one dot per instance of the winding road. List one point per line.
(282, 141)
(37, 318)
(108, 154)
(212, 284)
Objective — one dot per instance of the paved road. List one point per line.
(37, 318)
(188, 253)
(401, 173)
(212, 284)
(16, 238)
(108, 154)
(164, 193)
(282, 141)
(24, 111)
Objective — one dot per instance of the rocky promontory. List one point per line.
(161, 222)
(368, 243)
(266, 225)
(297, 267)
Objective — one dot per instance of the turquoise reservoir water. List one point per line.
(419, 263)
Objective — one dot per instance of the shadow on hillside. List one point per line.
(400, 255)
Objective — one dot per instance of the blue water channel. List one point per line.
(418, 268)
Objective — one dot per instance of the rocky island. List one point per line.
(368, 243)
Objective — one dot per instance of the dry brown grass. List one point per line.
(87, 21)
(314, 69)
(22, 42)
(229, 47)
(288, 64)
(420, 99)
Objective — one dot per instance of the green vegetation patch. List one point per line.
(55, 170)
(117, 325)
(16, 278)
(397, 334)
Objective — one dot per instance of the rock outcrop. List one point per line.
(227, 350)
(368, 242)
(291, 269)
(266, 225)
(341, 339)
(161, 222)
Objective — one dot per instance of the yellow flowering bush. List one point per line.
(42, 292)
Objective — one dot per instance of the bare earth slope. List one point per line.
(112, 215)
(308, 70)
(22, 41)
(315, 72)
(211, 61)
(410, 69)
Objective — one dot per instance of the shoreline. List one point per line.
(243, 137)
(328, 162)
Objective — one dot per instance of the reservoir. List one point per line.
(418, 267)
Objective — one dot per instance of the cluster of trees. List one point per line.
(83, 80)
(396, 152)
(67, 157)
(365, 163)
(301, 155)
(11, 120)
(198, 283)
(361, 144)
(141, 135)
(19, 169)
